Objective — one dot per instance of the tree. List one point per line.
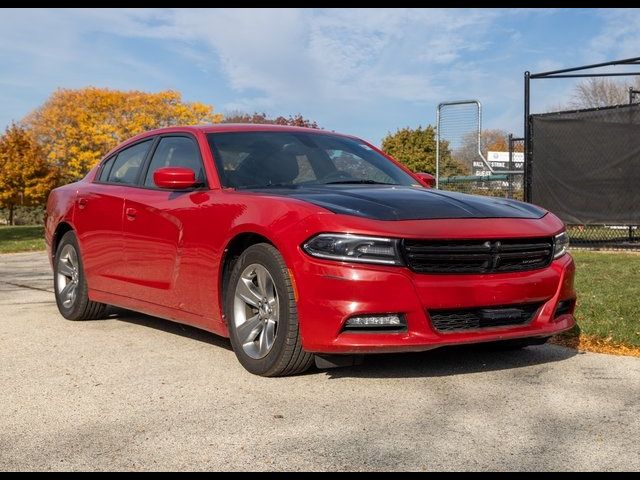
(25, 176)
(416, 148)
(77, 127)
(601, 92)
(261, 118)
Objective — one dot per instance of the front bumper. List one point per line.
(329, 293)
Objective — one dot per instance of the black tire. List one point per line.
(516, 344)
(286, 356)
(81, 308)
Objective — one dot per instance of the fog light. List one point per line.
(387, 321)
(564, 307)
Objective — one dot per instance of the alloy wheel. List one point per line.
(256, 311)
(68, 276)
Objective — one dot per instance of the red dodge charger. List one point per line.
(300, 244)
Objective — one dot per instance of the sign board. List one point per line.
(499, 161)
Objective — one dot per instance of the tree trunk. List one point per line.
(11, 214)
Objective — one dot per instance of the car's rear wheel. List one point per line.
(262, 317)
(70, 285)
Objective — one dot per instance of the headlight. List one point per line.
(560, 244)
(354, 248)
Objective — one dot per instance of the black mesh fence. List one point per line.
(586, 169)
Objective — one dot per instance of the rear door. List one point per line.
(98, 218)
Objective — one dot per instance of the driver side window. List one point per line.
(176, 152)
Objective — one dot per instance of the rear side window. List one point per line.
(106, 168)
(175, 152)
(127, 164)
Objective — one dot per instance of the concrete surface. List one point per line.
(135, 392)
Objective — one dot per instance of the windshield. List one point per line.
(287, 159)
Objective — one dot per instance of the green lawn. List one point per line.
(21, 239)
(608, 286)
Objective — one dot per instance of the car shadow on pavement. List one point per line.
(449, 361)
(440, 362)
(129, 316)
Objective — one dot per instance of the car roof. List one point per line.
(224, 127)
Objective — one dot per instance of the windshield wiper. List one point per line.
(367, 182)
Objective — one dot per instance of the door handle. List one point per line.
(82, 202)
(131, 213)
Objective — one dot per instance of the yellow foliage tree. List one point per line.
(499, 144)
(25, 175)
(77, 127)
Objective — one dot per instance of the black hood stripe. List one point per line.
(384, 202)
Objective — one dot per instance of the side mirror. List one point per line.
(174, 178)
(426, 179)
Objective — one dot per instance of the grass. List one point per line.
(608, 287)
(21, 238)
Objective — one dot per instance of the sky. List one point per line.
(365, 72)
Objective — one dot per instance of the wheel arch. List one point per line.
(232, 251)
(62, 228)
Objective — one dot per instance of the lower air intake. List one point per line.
(479, 318)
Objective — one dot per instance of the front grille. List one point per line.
(487, 317)
(477, 256)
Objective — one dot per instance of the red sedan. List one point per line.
(299, 243)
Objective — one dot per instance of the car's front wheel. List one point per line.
(262, 317)
(70, 284)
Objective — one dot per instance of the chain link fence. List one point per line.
(499, 175)
(494, 185)
(463, 166)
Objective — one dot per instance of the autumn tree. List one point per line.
(492, 140)
(77, 127)
(25, 175)
(416, 148)
(261, 118)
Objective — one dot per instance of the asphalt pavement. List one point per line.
(133, 392)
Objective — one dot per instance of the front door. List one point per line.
(161, 228)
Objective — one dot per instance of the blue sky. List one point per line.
(359, 71)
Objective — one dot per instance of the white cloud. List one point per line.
(338, 66)
(344, 54)
(619, 36)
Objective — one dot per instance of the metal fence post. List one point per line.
(438, 148)
(527, 139)
(510, 176)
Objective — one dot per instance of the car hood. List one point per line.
(385, 202)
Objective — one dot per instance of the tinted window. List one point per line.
(263, 159)
(356, 167)
(105, 169)
(128, 162)
(175, 152)
(305, 170)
